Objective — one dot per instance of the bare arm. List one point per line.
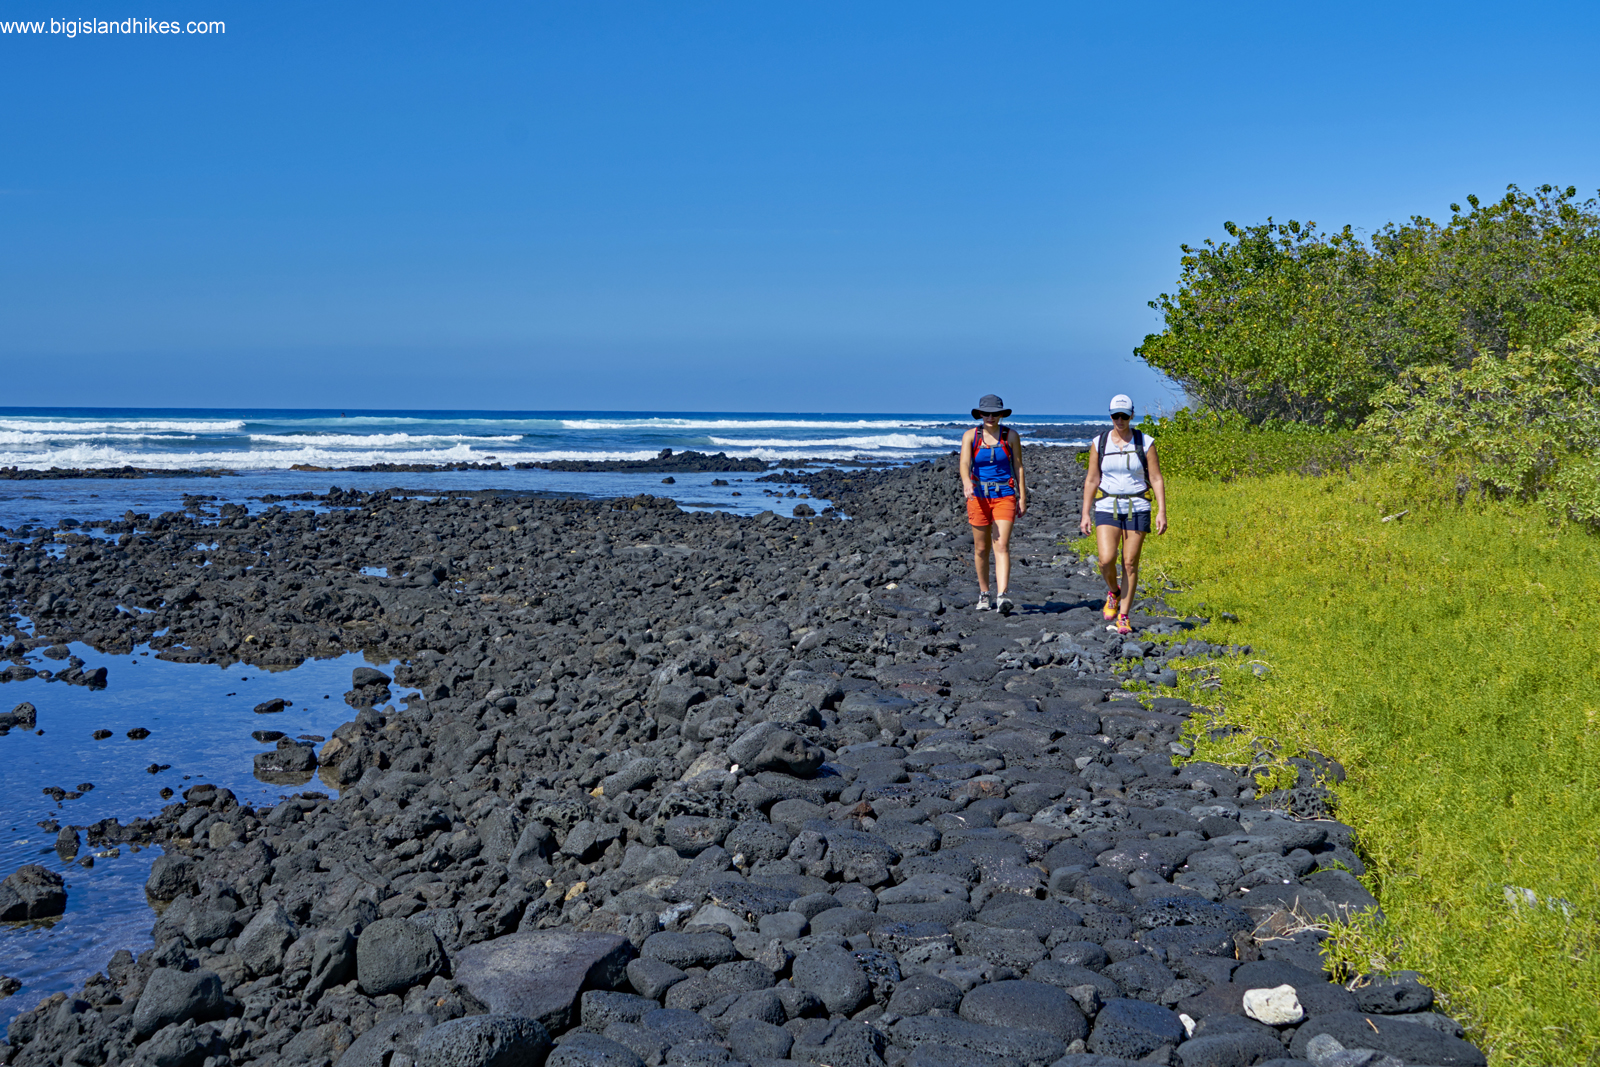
(1016, 464)
(966, 464)
(1091, 482)
(1159, 485)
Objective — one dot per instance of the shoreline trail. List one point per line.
(698, 789)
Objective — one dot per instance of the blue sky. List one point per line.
(712, 206)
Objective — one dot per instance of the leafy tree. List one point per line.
(1287, 323)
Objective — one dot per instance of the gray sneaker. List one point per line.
(1005, 605)
(983, 601)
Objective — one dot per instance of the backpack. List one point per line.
(1005, 433)
(1139, 449)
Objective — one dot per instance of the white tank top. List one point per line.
(1120, 472)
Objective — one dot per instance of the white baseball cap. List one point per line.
(1122, 405)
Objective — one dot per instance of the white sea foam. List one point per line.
(546, 457)
(893, 440)
(745, 424)
(25, 438)
(118, 426)
(374, 440)
(255, 459)
(92, 456)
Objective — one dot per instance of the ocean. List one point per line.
(286, 451)
(277, 439)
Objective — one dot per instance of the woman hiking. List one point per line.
(997, 494)
(1123, 476)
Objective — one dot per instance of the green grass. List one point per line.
(1451, 660)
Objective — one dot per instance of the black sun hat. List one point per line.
(991, 405)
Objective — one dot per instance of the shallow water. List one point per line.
(200, 718)
(45, 503)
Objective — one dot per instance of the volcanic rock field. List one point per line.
(693, 789)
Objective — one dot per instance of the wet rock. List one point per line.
(138, 733)
(289, 760)
(32, 892)
(394, 954)
(271, 707)
(67, 843)
(365, 676)
(24, 715)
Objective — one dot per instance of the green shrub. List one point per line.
(1224, 446)
(1524, 426)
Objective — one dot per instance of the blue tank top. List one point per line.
(990, 464)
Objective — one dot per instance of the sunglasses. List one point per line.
(1121, 415)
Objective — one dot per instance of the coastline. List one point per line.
(772, 773)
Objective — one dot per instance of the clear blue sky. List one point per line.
(712, 206)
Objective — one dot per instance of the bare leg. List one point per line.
(980, 555)
(1132, 543)
(1107, 541)
(1002, 554)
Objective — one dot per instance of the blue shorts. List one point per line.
(1132, 521)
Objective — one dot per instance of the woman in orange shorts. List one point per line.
(997, 495)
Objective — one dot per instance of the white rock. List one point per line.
(1279, 1006)
(1188, 1024)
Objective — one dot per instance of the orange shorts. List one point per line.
(982, 511)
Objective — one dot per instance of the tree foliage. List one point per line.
(1524, 425)
(1290, 323)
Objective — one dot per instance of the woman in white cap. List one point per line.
(1124, 475)
(997, 494)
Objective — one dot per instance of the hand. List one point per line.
(1083, 526)
(970, 495)
(1161, 522)
(1022, 508)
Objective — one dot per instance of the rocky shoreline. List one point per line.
(56, 474)
(696, 789)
